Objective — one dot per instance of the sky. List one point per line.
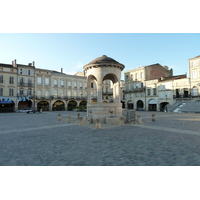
(71, 51)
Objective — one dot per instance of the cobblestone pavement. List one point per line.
(41, 140)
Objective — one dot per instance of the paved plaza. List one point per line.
(39, 139)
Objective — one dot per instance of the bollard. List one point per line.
(81, 121)
(68, 119)
(78, 115)
(98, 123)
(121, 121)
(153, 117)
(59, 117)
(139, 119)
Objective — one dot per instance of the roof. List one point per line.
(172, 78)
(194, 57)
(103, 59)
(5, 65)
(135, 69)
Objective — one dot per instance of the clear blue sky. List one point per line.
(71, 51)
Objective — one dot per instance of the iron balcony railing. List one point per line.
(52, 97)
(25, 84)
(141, 89)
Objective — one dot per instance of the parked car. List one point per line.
(25, 110)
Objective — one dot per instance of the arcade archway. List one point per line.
(58, 105)
(140, 105)
(44, 105)
(71, 105)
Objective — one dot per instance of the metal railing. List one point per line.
(22, 84)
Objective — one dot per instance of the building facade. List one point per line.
(24, 86)
(194, 73)
(152, 87)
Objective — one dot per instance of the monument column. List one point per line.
(89, 92)
(99, 93)
(117, 92)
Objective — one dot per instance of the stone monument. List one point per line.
(98, 70)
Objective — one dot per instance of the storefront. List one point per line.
(152, 105)
(6, 105)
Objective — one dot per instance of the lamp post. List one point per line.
(166, 102)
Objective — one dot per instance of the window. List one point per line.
(69, 83)
(69, 93)
(11, 92)
(148, 92)
(75, 84)
(20, 71)
(141, 75)
(154, 91)
(29, 82)
(194, 91)
(55, 93)
(21, 81)
(46, 93)
(1, 91)
(1, 79)
(39, 93)
(29, 92)
(62, 83)
(194, 74)
(39, 80)
(62, 93)
(81, 84)
(11, 80)
(92, 85)
(29, 72)
(55, 83)
(21, 92)
(46, 81)
(136, 76)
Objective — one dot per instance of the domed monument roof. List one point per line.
(105, 62)
(103, 59)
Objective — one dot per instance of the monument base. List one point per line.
(108, 113)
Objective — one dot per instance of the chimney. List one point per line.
(61, 70)
(14, 63)
(33, 64)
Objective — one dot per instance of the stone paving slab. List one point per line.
(41, 140)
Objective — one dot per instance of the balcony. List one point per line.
(186, 96)
(59, 97)
(141, 89)
(21, 84)
(107, 93)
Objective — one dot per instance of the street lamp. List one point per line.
(166, 102)
(34, 99)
